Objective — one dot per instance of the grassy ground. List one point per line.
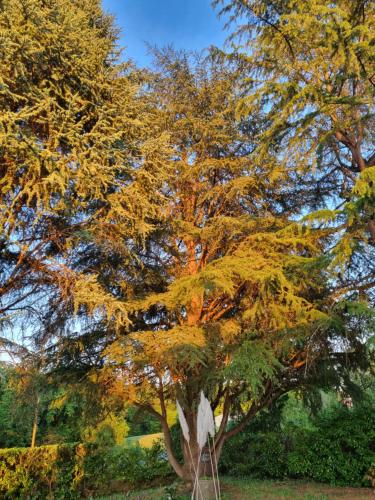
(235, 489)
(145, 441)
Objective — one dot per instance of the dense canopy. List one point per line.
(204, 225)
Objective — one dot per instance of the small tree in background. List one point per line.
(37, 408)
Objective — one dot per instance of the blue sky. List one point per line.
(188, 24)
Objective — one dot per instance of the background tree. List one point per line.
(238, 304)
(74, 155)
(311, 73)
(14, 431)
(38, 408)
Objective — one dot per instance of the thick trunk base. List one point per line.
(206, 490)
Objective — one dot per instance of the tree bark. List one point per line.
(371, 226)
(177, 467)
(201, 462)
(35, 423)
(357, 158)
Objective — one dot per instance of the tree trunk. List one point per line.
(202, 462)
(371, 227)
(177, 467)
(359, 160)
(35, 423)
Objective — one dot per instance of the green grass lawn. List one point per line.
(146, 441)
(236, 489)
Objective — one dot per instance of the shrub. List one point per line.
(339, 448)
(55, 471)
(132, 465)
(258, 455)
(259, 450)
(176, 441)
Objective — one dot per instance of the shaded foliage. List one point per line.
(335, 447)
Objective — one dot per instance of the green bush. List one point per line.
(338, 448)
(55, 471)
(260, 455)
(132, 465)
(259, 450)
(176, 441)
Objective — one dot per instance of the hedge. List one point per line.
(55, 471)
(73, 471)
(133, 466)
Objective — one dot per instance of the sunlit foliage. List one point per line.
(76, 138)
